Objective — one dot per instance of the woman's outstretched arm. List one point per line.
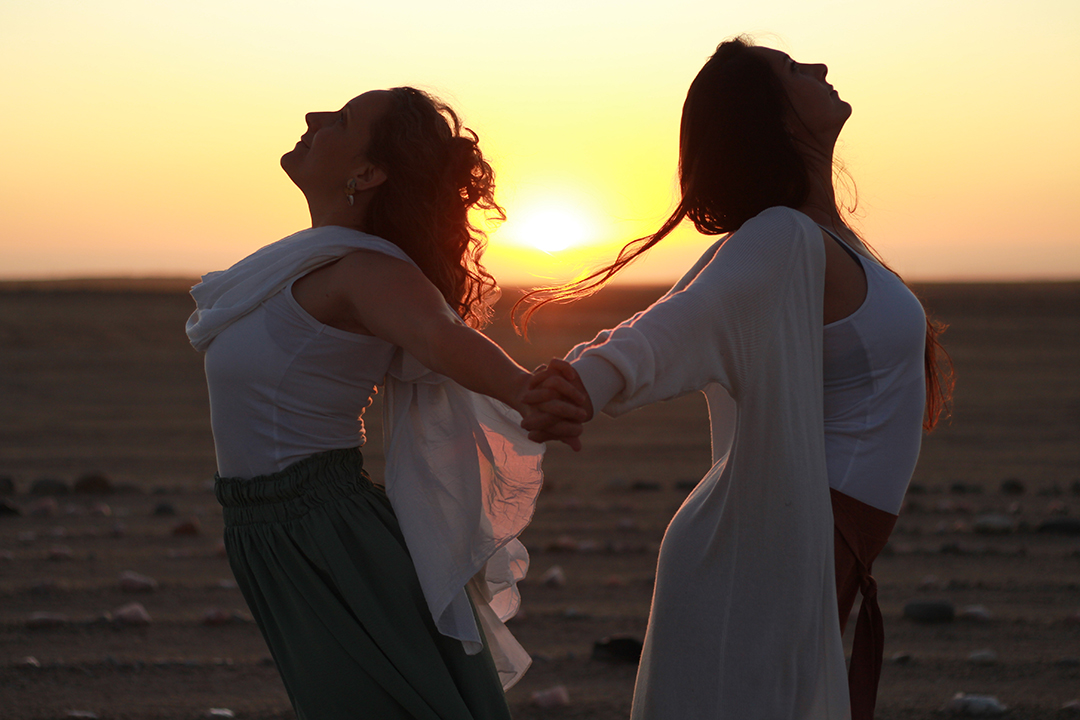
(393, 300)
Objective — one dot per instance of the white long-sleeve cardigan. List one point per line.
(744, 622)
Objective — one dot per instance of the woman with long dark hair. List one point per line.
(820, 368)
(374, 603)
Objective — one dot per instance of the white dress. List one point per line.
(744, 622)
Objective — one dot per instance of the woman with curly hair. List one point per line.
(379, 603)
(819, 366)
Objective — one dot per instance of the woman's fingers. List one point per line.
(539, 375)
(557, 423)
(565, 388)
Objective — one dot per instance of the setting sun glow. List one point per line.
(549, 228)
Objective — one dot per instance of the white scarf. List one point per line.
(461, 474)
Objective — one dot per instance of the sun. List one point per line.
(550, 228)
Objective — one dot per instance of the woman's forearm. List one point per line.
(473, 361)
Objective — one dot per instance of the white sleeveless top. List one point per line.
(875, 392)
(461, 474)
(284, 386)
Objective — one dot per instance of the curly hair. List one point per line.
(436, 174)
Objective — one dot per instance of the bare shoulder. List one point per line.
(372, 264)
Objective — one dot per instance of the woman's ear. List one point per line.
(368, 176)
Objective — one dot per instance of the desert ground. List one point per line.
(101, 393)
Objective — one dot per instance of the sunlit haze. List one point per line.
(143, 138)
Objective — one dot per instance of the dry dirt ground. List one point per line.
(101, 379)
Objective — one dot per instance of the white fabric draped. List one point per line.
(461, 474)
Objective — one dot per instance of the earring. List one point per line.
(350, 190)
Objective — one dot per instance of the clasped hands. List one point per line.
(557, 404)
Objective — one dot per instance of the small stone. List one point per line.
(930, 582)
(118, 530)
(100, 509)
(975, 705)
(1060, 526)
(993, 524)
(180, 553)
(553, 697)
(618, 648)
(215, 617)
(227, 584)
(8, 509)
(930, 611)
(7, 556)
(959, 488)
(555, 577)
(46, 507)
(58, 532)
(46, 587)
(132, 614)
(685, 486)
(49, 486)
(133, 582)
(220, 713)
(617, 484)
(588, 546)
(1057, 507)
(46, 620)
(81, 714)
(950, 548)
(187, 528)
(26, 537)
(93, 483)
(976, 613)
(60, 552)
(901, 658)
(1015, 508)
(1012, 486)
(164, 509)
(29, 662)
(7, 485)
(983, 657)
(1071, 708)
(563, 543)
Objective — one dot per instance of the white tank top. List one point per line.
(875, 392)
(284, 386)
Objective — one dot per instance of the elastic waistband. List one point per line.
(294, 491)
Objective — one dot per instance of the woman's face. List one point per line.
(328, 154)
(821, 113)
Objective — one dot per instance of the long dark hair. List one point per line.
(436, 174)
(737, 158)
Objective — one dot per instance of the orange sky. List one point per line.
(143, 138)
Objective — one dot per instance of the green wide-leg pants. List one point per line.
(320, 559)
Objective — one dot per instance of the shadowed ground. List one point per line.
(100, 377)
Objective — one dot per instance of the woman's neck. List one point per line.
(820, 203)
